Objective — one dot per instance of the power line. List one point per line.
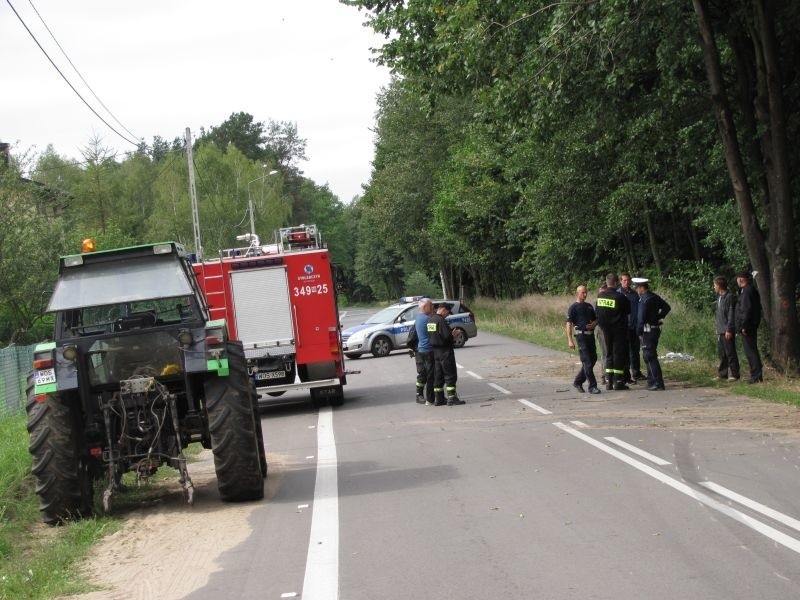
(74, 68)
(89, 106)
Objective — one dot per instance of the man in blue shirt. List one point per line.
(423, 353)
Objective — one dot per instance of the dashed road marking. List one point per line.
(652, 458)
(754, 524)
(535, 407)
(752, 504)
(498, 388)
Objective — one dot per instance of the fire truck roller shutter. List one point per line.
(262, 307)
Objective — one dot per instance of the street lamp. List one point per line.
(250, 200)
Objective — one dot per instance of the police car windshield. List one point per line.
(386, 315)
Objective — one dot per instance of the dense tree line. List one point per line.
(143, 197)
(526, 146)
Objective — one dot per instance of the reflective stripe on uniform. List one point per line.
(607, 302)
(431, 327)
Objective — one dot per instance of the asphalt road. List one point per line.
(529, 491)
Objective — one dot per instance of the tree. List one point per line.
(31, 234)
(241, 131)
(761, 181)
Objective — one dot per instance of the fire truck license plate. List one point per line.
(267, 375)
(45, 376)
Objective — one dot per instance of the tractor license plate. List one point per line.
(45, 376)
(262, 375)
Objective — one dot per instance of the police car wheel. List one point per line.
(351, 355)
(459, 340)
(381, 346)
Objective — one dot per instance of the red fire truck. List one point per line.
(279, 300)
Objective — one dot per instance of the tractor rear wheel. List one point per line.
(234, 435)
(262, 454)
(63, 479)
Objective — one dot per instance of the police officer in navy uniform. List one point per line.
(581, 321)
(445, 373)
(612, 317)
(652, 310)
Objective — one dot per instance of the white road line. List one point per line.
(580, 424)
(322, 565)
(544, 411)
(754, 524)
(651, 457)
(475, 375)
(499, 389)
(756, 506)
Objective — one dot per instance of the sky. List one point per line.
(162, 66)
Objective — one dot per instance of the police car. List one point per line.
(388, 329)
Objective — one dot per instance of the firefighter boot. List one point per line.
(452, 397)
(619, 382)
(438, 398)
(609, 381)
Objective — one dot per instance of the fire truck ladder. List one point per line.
(214, 285)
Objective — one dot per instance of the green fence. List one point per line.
(15, 364)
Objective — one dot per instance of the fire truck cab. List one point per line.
(279, 300)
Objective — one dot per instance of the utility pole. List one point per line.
(193, 195)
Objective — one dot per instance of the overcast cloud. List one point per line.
(163, 66)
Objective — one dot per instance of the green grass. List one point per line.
(540, 320)
(38, 561)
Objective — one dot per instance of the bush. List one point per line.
(691, 282)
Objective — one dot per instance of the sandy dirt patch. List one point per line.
(168, 550)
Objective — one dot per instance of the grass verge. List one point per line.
(38, 561)
(540, 319)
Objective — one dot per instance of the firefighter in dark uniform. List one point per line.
(613, 309)
(445, 374)
(652, 310)
(581, 321)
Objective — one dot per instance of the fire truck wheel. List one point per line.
(63, 480)
(459, 340)
(234, 435)
(381, 346)
(337, 399)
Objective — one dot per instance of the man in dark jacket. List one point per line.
(629, 292)
(652, 310)
(726, 331)
(581, 321)
(445, 373)
(747, 318)
(612, 317)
